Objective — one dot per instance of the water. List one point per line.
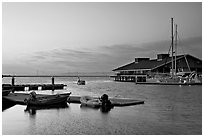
(168, 110)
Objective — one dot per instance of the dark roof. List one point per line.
(151, 64)
(144, 64)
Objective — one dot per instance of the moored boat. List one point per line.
(179, 76)
(188, 78)
(48, 100)
(90, 101)
(81, 82)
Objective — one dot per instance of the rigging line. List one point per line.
(170, 47)
(184, 54)
(168, 52)
(167, 57)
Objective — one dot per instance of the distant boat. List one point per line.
(48, 100)
(81, 82)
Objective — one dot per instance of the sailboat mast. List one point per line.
(172, 46)
(175, 47)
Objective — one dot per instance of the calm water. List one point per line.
(167, 110)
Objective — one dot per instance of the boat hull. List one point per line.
(5, 92)
(81, 82)
(49, 100)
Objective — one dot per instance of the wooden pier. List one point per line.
(24, 87)
(52, 76)
(142, 79)
(168, 83)
(51, 86)
(130, 78)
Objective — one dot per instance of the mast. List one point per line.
(172, 46)
(175, 47)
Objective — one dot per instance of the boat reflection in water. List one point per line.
(7, 105)
(33, 109)
(102, 109)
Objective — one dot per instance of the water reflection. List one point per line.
(32, 110)
(7, 104)
(102, 109)
(105, 109)
(83, 107)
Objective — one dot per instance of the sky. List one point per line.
(66, 37)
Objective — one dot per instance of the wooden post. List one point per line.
(135, 79)
(53, 83)
(13, 83)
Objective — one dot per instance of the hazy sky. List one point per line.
(93, 37)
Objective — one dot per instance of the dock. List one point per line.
(168, 83)
(18, 98)
(23, 87)
(52, 76)
(52, 86)
(142, 79)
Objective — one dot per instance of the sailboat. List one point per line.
(179, 77)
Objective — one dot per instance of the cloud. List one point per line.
(102, 58)
(69, 60)
(192, 45)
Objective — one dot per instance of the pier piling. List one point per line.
(53, 83)
(22, 87)
(13, 83)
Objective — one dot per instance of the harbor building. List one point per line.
(142, 68)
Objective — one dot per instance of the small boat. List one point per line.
(48, 100)
(81, 82)
(90, 101)
(5, 92)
